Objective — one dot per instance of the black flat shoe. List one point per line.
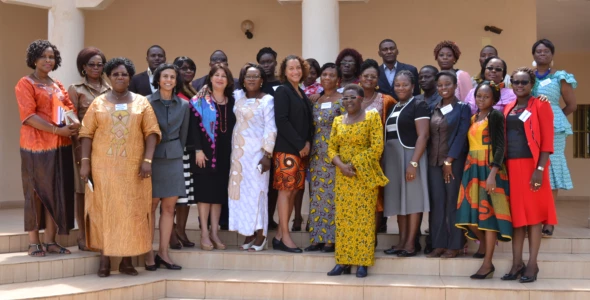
(361, 272)
(168, 266)
(527, 279)
(328, 249)
(514, 276)
(153, 267)
(405, 253)
(393, 251)
(284, 247)
(479, 255)
(176, 246)
(428, 249)
(488, 275)
(311, 248)
(276, 244)
(339, 270)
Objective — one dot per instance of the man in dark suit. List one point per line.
(217, 57)
(388, 52)
(142, 83)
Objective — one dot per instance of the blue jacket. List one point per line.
(459, 121)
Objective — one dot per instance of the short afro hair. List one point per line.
(35, 51)
(447, 44)
(265, 50)
(431, 68)
(158, 74)
(450, 74)
(118, 61)
(528, 71)
(547, 43)
(243, 71)
(496, 94)
(283, 69)
(358, 59)
(314, 64)
(84, 57)
(369, 63)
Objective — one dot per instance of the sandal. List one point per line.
(37, 253)
(62, 250)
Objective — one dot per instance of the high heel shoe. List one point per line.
(247, 246)
(329, 249)
(126, 267)
(479, 255)
(153, 267)
(183, 242)
(168, 266)
(312, 247)
(339, 270)
(218, 246)
(284, 247)
(104, 270)
(206, 247)
(514, 276)
(259, 248)
(488, 275)
(527, 279)
(276, 244)
(297, 228)
(361, 271)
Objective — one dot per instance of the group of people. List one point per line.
(372, 141)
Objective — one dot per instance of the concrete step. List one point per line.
(19, 242)
(231, 284)
(19, 267)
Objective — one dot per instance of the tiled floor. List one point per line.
(572, 216)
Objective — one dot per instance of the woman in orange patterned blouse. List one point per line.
(46, 150)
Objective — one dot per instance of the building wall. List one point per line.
(19, 26)
(196, 28)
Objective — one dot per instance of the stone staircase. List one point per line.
(234, 274)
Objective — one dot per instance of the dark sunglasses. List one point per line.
(520, 82)
(497, 69)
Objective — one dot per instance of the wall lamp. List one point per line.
(247, 28)
(493, 29)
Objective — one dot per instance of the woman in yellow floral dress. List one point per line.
(356, 144)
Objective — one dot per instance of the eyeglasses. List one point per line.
(369, 77)
(497, 69)
(120, 74)
(95, 66)
(520, 82)
(186, 69)
(253, 77)
(349, 98)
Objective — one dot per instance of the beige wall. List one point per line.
(196, 28)
(576, 63)
(19, 26)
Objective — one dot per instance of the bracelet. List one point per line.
(149, 161)
(85, 158)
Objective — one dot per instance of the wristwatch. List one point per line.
(414, 164)
(448, 163)
(540, 168)
(149, 161)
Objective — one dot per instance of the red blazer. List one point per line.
(538, 127)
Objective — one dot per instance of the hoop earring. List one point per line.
(377, 88)
(551, 63)
(84, 72)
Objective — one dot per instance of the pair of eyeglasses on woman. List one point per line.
(251, 77)
(120, 74)
(520, 82)
(95, 66)
(497, 69)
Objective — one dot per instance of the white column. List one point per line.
(321, 30)
(66, 31)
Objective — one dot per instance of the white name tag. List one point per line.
(326, 105)
(525, 115)
(392, 127)
(250, 101)
(275, 87)
(121, 106)
(545, 82)
(446, 109)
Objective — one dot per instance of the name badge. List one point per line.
(525, 115)
(446, 109)
(392, 128)
(326, 105)
(250, 101)
(545, 82)
(121, 106)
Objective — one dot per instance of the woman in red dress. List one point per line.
(529, 142)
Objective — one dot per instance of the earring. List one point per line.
(377, 87)
(261, 85)
(359, 84)
(84, 72)
(534, 64)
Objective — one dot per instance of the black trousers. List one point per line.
(443, 207)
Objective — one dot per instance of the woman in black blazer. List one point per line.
(293, 116)
(447, 151)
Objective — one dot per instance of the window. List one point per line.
(582, 131)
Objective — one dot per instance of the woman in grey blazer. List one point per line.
(167, 167)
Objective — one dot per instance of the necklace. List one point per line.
(117, 97)
(40, 81)
(400, 104)
(543, 75)
(221, 118)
